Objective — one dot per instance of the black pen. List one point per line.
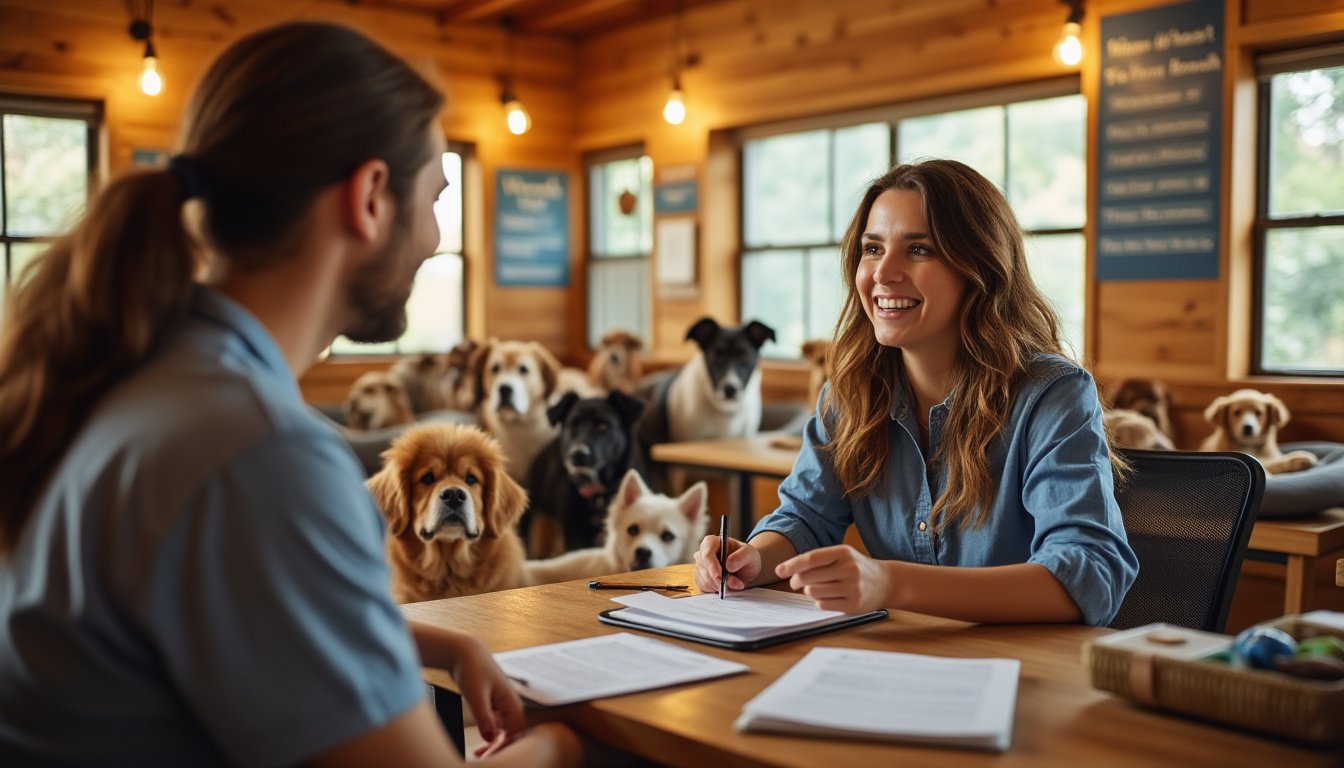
(723, 556)
(616, 585)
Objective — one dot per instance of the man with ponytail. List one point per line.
(954, 434)
(191, 571)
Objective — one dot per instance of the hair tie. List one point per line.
(188, 173)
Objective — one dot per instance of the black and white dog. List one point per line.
(715, 395)
(575, 476)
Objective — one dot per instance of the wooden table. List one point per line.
(1306, 541)
(744, 458)
(1060, 719)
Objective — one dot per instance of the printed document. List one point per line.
(607, 665)
(747, 615)
(891, 696)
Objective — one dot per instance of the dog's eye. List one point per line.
(522, 369)
(427, 478)
(668, 536)
(602, 426)
(494, 368)
(471, 478)
(633, 530)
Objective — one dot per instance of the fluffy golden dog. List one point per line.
(1149, 397)
(423, 378)
(377, 399)
(514, 384)
(814, 352)
(451, 513)
(1248, 421)
(1131, 429)
(618, 363)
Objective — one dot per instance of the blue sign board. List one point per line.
(675, 197)
(1160, 143)
(531, 228)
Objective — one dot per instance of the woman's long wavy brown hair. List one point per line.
(1005, 323)
(281, 115)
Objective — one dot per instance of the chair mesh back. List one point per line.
(1188, 517)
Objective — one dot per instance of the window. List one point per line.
(436, 310)
(1299, 325)
(48, 153)
(620, 237)
(800, 188)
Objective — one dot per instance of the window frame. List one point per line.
(593, 258)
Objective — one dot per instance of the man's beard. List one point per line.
(379, 291)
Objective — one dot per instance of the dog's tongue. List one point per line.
(589, 490)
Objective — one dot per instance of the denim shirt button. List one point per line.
(923, 525)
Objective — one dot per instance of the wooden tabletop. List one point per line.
(1060, 719)
(1313, 535)
(758, 454)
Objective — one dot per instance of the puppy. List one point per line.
(814, 352)
(1149, 397)
(618, 364)
(377, 399)
(1131, 429)
(575, 477)
(644, 530)
(459, 386)
(422, 376)
(451, 510)
(1248, 421)
(514, 383)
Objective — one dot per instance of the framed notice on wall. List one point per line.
(531, 228)
(1160, 143)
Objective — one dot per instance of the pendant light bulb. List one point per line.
(151, 83)
(516, 116)
(674, 111)
(1069, 49)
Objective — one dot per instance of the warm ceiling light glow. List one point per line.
(516, 116)
(1069, 49)
(150, 81)
(674, 111)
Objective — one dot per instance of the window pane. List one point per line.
(785, 181)
(1304, 318)
(973, 136)
(617, 298)
(448, 208)
(862, 153)
(1306, 161)
(621, 226)
(1047, 176)
(46, 173)
(772, 292)
(826, 294)
(1057, 266)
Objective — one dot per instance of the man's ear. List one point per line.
(368, 201)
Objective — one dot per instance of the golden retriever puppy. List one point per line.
(1149, 397)
(377, 399)
(451, 513)
(422, 376)
(814, 352)
(618, 363)
(514, 384)
(1248, 421)
(1131, 429)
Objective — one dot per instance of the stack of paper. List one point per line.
(748, 615)
(607, 665)
(892, 697)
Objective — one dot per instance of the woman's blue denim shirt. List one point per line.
(1055, 504)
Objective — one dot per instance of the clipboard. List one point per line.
(755, 644)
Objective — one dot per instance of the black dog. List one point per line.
(576, 474)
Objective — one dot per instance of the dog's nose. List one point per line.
(730, 391)
(454, 497)
(643, 554)
(506, 392)
(580, 456)
(1247, 430)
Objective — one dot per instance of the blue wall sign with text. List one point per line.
(675, 197)
(1160, 143)
(531, 228)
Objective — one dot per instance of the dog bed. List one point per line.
(1311, 490)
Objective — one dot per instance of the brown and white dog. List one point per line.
(423, 378)
(514, 384)
(1248, 421)
(814, 352)
(618, 363)
(1131, 429)
(1149, 397)
(377, 399)
(451, 513)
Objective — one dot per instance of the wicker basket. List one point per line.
(1269, 702)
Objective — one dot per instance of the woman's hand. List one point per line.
(498, 708)
(743, 564)
(839, 578)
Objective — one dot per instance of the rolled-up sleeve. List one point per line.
(1069, 489)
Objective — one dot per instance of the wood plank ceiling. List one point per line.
(575, 19)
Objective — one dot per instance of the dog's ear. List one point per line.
(692, 502)
(627, 407)
(1277, 412)
(703, 332)
(560, 411)
(476, 364)
(1214, 413)
(631, 488)
(759, 333)
(550, 369)
(507, 501)
(388, 488)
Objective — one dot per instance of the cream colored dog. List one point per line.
(377, 399)
(514, 384)
(1248, 421)
(617, 364)
(1131, 429)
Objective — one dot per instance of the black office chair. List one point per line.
(1188, 516)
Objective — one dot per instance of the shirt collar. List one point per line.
(214, 307)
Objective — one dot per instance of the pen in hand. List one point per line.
(723, 556)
